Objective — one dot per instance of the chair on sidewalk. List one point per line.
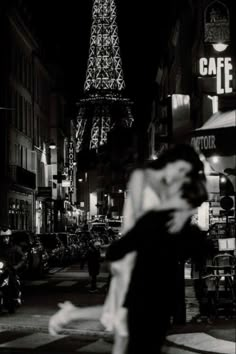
(223, 273)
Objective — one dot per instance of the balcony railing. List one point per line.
(22, 177)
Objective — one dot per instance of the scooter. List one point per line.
(10, 285)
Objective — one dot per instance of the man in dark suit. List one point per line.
(158, 256)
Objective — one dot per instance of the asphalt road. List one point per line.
(26, 331)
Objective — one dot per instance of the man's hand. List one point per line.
(178, 220)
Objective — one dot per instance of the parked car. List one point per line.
(54, 247)
(115, 226)
(99, 230)
(35, 255)
(70, 252)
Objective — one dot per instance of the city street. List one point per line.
(26, 330)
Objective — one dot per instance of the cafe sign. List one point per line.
(207, 142)
(219, 141)
(221, 68)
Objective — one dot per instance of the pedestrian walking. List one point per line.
(93, 261)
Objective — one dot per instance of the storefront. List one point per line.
(216, 141)
(20, 211)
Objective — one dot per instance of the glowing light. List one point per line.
(215, 159)
(223, 179)
(52, 146)
(186, 99)
(220, 47)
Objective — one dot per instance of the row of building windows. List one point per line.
(29, 160)
(23, 120)
(19, 214)
(23, 71)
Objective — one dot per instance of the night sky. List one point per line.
(65, 26)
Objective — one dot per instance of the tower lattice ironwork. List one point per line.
(103, 106)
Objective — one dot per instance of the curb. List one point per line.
(65, 331)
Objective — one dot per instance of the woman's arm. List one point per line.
(133, 203)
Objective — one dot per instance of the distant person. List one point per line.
(93, 260)
(85, 226)
(15, 259)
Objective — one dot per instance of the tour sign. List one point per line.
(222, 69)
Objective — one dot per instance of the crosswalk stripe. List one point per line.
(76, 275)
(100, 346)
(66, 283)
(55, 269)
(31, 341)
(71, 274)
(35, 282)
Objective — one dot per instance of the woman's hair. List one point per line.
(195, 190)
(179, 152)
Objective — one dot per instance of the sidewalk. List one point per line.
(218, 337)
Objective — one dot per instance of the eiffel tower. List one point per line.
(103, 107)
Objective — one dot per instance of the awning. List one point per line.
(217, 135)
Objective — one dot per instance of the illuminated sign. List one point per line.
(216, 23)
(206, 142)
(71, 164)
(222, 68)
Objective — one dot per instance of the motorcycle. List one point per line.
(10, 285)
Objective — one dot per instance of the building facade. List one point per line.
(195, 87)
(32, 118)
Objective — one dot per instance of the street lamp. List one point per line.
(52, 145)
(220, 47)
